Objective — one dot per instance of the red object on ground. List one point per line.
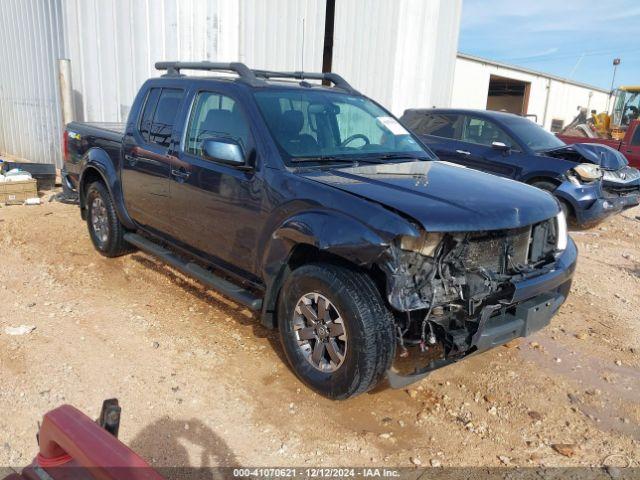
(72, 446)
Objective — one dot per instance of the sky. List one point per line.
(576, 39)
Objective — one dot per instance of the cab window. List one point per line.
(635, 141)
(214, 116)
(159, 115)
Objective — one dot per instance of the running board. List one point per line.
(194, 270)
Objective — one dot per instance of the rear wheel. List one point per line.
(105, 229)
(337, 333)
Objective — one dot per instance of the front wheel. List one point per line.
(105, 229)
(337, 333)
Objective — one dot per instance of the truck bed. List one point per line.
(86, 135)
(570, 139)
(105, 130)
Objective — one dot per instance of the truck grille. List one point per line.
(502, 251)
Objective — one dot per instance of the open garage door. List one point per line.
(509, 95)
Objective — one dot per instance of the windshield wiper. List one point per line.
(377, 159)
(400, 156)
(321, 159)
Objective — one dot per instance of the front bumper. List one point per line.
(533, 303)
(592, 203)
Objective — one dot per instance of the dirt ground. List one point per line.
(202, 384)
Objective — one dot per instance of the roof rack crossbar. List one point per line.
(244, 72)
(253, 77)
(334, 78)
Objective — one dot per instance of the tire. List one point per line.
(368, 344)
(104, 226)
(550, 187)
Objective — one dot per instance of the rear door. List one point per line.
(632, 150)
(217, 208)
(440, 132)
(477, 138)
(146, 165)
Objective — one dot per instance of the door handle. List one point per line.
(463, 152)
(629, 151)
(131, 160)
(180, 174)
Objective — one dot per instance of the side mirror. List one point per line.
(501, 146)
(223, 150)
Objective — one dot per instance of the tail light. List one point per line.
(65, 146)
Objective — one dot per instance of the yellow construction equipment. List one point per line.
(626, 108)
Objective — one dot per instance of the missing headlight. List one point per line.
(425, 244)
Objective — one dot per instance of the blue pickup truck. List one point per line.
(591, 182)
(310, 204)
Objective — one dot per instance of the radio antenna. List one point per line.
(302, 52)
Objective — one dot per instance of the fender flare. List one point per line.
(327, 231)
(97, 160)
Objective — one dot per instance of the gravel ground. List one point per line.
(202, 384)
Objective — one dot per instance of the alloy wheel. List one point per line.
(320, 333)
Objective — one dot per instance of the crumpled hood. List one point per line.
(603, 155)
(443, 197)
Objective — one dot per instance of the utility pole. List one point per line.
(616, 62)
(327, 51)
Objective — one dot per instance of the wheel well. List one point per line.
(534, 180)
(557, 183)
(303, 254)
(89, 176)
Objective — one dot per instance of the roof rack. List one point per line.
(334, 78)
(173, 68)
(252, 77)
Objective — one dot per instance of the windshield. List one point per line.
(533, 135)
(320, 126)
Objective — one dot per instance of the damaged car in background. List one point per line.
(591, 181)
(314, 207)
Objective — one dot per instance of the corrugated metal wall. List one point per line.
(399, 52)
(31, 41)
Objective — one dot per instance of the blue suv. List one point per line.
(591, 181)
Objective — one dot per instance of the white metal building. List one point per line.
(550, 101)
(401, 53)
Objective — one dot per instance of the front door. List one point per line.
(217, 208)
(632, 151)
(146, 165)
(477, 139)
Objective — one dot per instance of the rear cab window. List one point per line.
(159, 115)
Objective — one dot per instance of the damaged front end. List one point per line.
(461, 293)
(601, 183)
